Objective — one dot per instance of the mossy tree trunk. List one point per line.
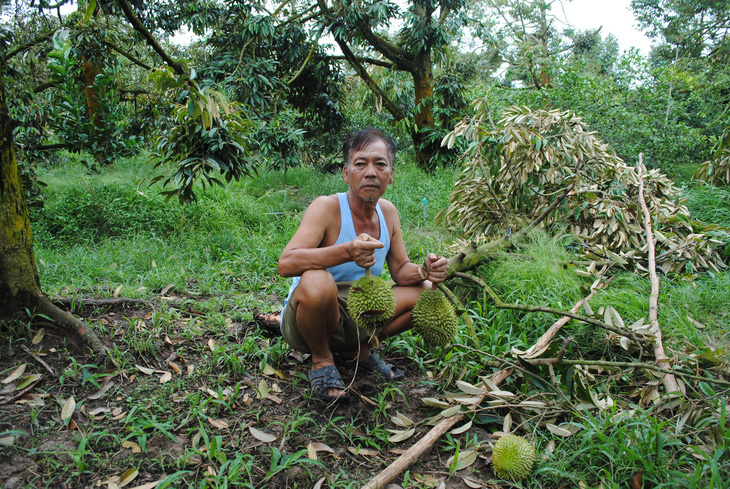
(19, 283)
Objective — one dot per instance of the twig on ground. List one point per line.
(412, 454)
(527, 308)
(39, 360)
(670, 382)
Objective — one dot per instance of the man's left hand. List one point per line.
(436, 268)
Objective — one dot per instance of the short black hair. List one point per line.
(362, 138)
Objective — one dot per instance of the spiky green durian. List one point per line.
(434, 318)
(371, 302)
(513, 457)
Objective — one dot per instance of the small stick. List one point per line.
(547, 337)
(39, 360)
(412, 454)
(670, 382)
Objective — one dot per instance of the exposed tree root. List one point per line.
(121, 301)
(43, 305)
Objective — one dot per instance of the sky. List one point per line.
(614, 16)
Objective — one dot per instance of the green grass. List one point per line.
(98, 233)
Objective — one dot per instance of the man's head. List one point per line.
(368, 170)
(363, 138)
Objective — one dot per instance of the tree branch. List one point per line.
(176, 65)
(365, 59)
(528, 308)
(46, 36)
(670, 382)
(127, 55)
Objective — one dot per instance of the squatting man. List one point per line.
(339, 237)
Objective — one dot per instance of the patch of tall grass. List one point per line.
(539, 275)
(709, 204)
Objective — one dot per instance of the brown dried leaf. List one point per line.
(15, 374)
(260, 435)
(68, 409)
(218, 423)
(39, 336)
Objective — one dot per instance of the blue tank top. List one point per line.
(349, 270)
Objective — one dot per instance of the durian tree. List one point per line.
(548, 164)
(717, 170)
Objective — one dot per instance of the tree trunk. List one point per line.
(91, 69)
(19, 283)
(423, 114)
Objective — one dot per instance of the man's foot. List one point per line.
(374, 363)
(327, 384)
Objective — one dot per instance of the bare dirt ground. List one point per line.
(189, 404)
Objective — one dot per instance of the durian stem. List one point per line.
(367, 271)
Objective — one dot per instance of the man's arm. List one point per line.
(402, 270)
(308, 249)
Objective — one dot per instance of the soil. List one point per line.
(39, 449)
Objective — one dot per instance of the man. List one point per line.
(339, 237)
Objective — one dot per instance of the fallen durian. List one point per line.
(513, 457)
(434, 318)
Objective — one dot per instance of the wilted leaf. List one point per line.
(7, 441)
(507, 423)
(175, 367)
(128, 477)
(39, 336)
(28, 380)
(461, 429)
(167, 289)
(212, 344)
(166, 377)
(15, 374)
(269, 370)
(366, 452)
(466, 458)
(313, 448)
(145, 370)
(468, 388)
(218, 423)
(447, 413)
(262, 390)
(433, 402)
(557, 430)
(104, 388)
(68, 409)
(132, 446)
(401, 420)
(260, 435)
(399, 436)
(116, 292)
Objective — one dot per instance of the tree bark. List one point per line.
(423, 114)
(19, 282)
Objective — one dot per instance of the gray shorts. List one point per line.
(346, 335)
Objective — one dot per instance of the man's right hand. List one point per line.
(362, 250)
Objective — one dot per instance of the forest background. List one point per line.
(161, 182)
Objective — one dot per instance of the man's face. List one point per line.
(369, 171)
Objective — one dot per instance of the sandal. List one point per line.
(324, 379)
(374, 363)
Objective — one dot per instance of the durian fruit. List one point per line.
(371, 301)
(513, 457)
(434, 318)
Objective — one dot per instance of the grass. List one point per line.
(110, 235)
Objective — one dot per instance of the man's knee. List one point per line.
(316, 287)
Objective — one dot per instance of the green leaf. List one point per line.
(90, 8)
